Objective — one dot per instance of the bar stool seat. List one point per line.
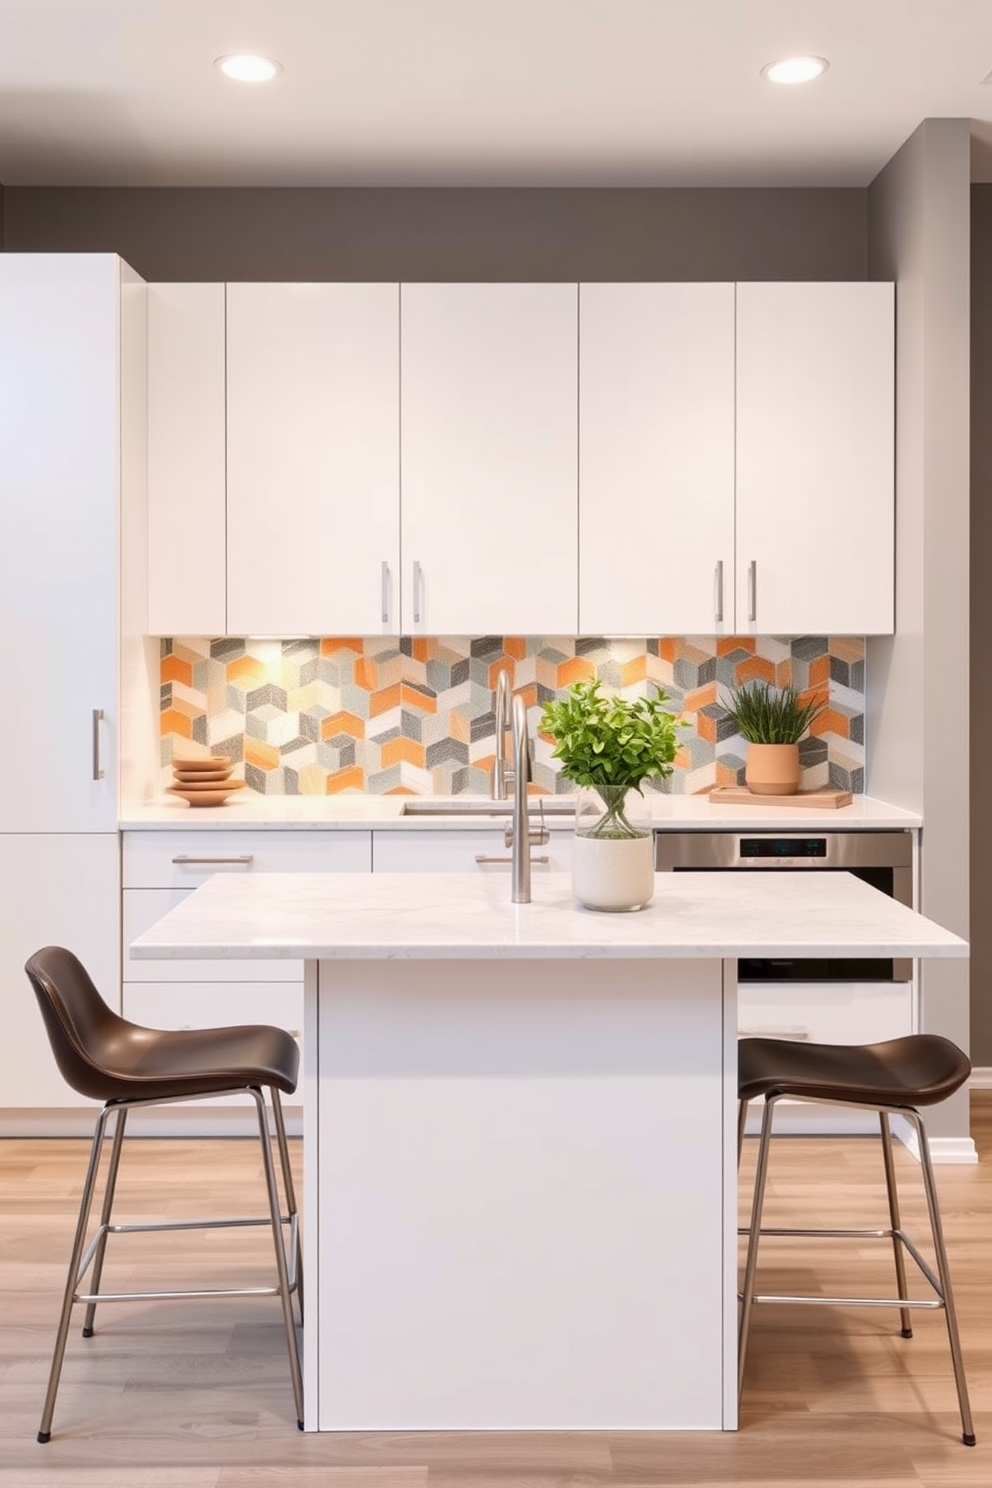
(895, 1077)
(106, 1058)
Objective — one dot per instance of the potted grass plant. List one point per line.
(772, 720)
(611, 745)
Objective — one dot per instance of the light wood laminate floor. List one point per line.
(198, 1395)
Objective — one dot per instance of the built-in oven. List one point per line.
(882, 859)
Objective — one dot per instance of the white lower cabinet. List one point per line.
(481, 850)
(160, 869)
(823, 1013)
(59, 889)
(215, 1005)
(826, 1012)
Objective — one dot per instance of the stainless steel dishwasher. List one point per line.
(882, 859)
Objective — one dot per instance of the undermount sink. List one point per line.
(427, 807)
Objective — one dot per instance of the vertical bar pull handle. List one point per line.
(752, 590)
(718, 593)
(385, 592)
(97, 720)
(417, 585)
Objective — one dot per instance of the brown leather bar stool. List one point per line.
(892, 1078)
(108, 1059)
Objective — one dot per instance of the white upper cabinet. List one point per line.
(815, 461)
(530, 459)
(187, 538)
(312, 459)
(656, 459)
(60, 451)
(489, 435)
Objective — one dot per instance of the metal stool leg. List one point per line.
(290, 1189)
(937, 1229)
(108, 1201)
(281, 1271)
(757, 1205)
(894, 1221)
(741, 1124)
(86, 1203)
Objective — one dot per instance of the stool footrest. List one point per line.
(900, 1235)
(933, 1303)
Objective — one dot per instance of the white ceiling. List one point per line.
(480, 92)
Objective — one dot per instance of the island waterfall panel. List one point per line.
(523, 1183)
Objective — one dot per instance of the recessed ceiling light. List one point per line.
(795, 69)
(244, 68)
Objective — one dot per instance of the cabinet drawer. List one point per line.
(208, 1005)
(459, 851)
(143, 908)
(826, 1013)
(184, 859)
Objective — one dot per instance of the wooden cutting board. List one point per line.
(739, 795)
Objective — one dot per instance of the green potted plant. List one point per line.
(611, 745)
(772, 720)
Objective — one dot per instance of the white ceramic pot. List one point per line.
(613, 873)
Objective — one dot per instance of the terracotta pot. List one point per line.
(772, 769)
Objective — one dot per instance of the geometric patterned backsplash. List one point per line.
(414, 716)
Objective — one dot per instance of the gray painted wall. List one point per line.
(454, 234)
(918, 680)
(981, 617)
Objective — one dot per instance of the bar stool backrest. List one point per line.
(82, 1029)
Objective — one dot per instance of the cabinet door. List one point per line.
(187, 477)
(826, 1012)
(489, 430)
(656, 459)
(312, 459)
(57, 890)
(59, 478)
(212, 1004)
(815, 463)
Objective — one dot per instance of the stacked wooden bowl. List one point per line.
(204, 782)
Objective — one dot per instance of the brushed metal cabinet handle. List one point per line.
(485, 858)
(752, 590)
(385, 592)
(417, 584)
(97, 720)
(718, 593)
(185, 859)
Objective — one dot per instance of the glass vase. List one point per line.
(612, 823)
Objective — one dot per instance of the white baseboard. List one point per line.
(942, 1149)
(157, 1121)
(980, 1078)
(805, 1119)
(796, 1119)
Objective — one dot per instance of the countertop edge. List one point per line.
(378, 814)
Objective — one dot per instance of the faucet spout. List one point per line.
(501, 714)
(521, 827)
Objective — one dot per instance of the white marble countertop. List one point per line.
(467, 916)
(368, 812)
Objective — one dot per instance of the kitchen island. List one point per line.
(520, 1156)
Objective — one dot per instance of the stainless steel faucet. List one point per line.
(501, 712)
(520, 846)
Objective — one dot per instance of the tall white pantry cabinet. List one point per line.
(72, 473)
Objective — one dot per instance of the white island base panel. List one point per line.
(526, 1169)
